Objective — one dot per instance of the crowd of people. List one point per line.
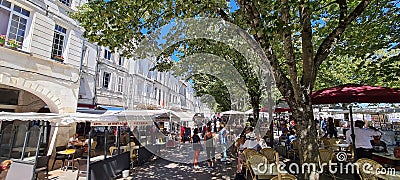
(213, 133)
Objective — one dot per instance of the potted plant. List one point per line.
(13, 43)
(58, 58)
(2, 39)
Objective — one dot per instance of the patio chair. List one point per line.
(82, 168)
(93, 148)
(133, 154)
(42, 164)
(61, 157)
(247, 153)
(78, 154)
(373, 166)
(325, 156)
(294, 149)
(254, 161)
(350, 153)
(332, 142)
(285, 177)
(269, 153)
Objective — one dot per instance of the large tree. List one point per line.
(296, 37)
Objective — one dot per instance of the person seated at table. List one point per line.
(251, 141)
(72, 141)
(292, 136)
(267, 138)
(378, 145)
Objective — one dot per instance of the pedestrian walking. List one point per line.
(332, 131)
(210, 149)
(196, 148)
(222, 140)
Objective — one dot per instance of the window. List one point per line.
(148, 90)
(121, 60)
(58, 42)
(107, 54)
(66, 2)
(13, 21)
(120, 84)
(106, 79)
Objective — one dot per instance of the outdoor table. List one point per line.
(389, 176)
(341, 146)
(67, 152)
(387, 158)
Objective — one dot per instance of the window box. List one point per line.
(2, 40)
(58, 58)
(13, 44)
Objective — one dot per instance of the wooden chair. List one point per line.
(269, 153)
(247, 153)
(372, 165)
(61, 157)
(112, 149)
(93, 148)
(82, 168)
(42, 165)
(327, 143)
(133, 154)
(350, 153)
(332, 142)
(294, 150)
(326, 156)
(254, 161)
(285, 177)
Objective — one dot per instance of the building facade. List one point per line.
(47, 66)
(41, 50)
(152, 89)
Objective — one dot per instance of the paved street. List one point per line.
(182, 167)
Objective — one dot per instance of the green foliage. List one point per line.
(341, 41)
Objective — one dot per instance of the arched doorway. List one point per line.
(13, 134)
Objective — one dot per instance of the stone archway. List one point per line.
(52, 100)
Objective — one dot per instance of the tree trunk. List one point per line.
(255, 103)
(306, 133)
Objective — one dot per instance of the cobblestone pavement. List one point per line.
(182, 168)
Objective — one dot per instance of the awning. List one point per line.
(185, 116)
(111, 108)
(107, 118)
(232, 112)
(31, 116)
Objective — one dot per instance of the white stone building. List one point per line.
(53, 68)
(104, 79)
(41, 68)
(153, 89)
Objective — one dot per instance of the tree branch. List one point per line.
(331, 40)
(343, 10)
(326, 5)
(288, 44)
(253, 19)
(223, 15)
(307, 46)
